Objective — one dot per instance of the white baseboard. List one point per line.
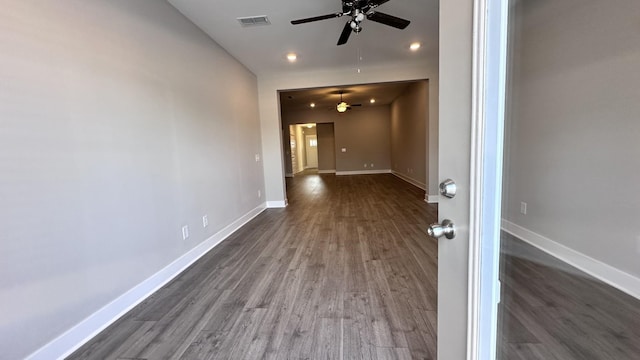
(78, 335)
(276, 204)
(410, 180)
(432, 199)
(326, 171)
(363, 172)
(596, 268)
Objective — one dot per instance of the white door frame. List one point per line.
(490, 59)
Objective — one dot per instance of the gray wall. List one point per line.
(409, 133)
(573, 150)
(120, 122)
(326, 147)
(364, 132)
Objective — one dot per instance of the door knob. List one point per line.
(448, 188)
(446, 229)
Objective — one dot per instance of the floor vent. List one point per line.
(254, 21)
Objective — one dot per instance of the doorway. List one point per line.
(311, 151)
(302, 148)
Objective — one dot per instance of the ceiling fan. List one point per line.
(359, 10)
(343, 106)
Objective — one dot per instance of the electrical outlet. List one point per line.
(365, 165)
(185, 232)
(259, 194)
(205, 221)
(371, 164)
(344, 149)
(523, 208)
(257, 157)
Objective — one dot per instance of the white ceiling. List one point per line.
(263, 49)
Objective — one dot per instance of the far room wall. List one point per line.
(362, 132)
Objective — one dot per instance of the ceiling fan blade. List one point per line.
(376, 3)
(355, 105)
(346, 32)
(387, 19)
(315, 18)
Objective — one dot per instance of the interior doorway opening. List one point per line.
(304, 149)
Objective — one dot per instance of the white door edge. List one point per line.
(488, 99)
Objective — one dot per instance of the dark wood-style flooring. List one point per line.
(552, 311)
(347, 271)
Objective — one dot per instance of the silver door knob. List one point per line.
(446, 229)
(448, 188)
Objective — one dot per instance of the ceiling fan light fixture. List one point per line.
(292, 57)
(341, 107)
(415, 46)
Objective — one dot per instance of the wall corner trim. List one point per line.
(606, 273)
(65, 344)
(432, 199)
(410, 180)
(276, 204)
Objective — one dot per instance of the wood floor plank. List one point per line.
(358, 332)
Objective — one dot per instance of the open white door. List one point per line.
(456, 44)
(472, 71)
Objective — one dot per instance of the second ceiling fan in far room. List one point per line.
(343, 106)
(359, 10)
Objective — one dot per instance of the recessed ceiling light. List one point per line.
(415, 46)
(313, 105)
(372, 101)
(292, 57)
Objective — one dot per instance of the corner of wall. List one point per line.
(604, 272)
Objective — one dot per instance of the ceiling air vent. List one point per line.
(254, 21)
